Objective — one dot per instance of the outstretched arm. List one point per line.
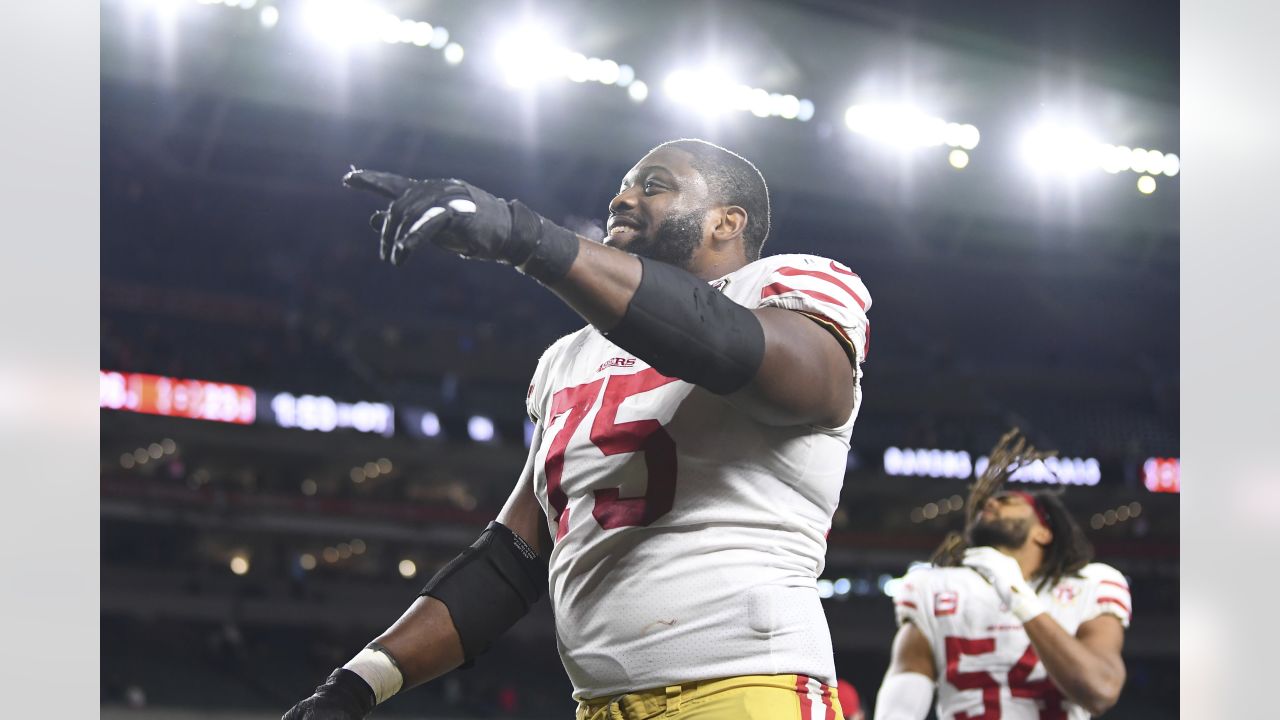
(777, 365)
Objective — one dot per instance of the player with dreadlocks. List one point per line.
(1013, 619)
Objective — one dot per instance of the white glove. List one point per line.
(1005, 575)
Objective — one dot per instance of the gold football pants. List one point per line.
(745, 697)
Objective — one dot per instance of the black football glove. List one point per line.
(343, 696)
(460, 217)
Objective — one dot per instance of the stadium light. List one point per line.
(268, 17)
(480, 428)
(408, 568)
(908, 127)
(959, 159)
(453, 53)
(340, 23)
(527, 55)
(1056, 149)
(530, 55)
(1146, 184)
(711, 91)
(638, 91)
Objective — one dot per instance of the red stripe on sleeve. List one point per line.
(792, 272)
(780, 289)
(1122, 586)
(837, 267)
(802, 689)
(1114, 601)
(826, 700)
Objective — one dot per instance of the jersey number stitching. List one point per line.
(1044, 692)
(614, 438)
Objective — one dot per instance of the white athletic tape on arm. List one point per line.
(375, 668)
(904, 696)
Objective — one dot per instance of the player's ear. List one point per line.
(1042, 535)
(728, 223)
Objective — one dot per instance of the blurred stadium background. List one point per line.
(295, 436)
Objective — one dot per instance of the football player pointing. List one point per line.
(688, 452)
(1013, 620)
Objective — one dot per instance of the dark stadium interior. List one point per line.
(231, 253)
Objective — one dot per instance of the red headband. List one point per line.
(1035, 505)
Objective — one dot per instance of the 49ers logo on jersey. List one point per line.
(945, 603)
(1065, 594)
(617, 362)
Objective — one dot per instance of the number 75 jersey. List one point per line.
(688, 536)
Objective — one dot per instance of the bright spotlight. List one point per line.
(529, 55)
(1113, 159)
(826, 588)
(1138, 158)
(711, 91)
(453, 53)
(268, 17)
(480, 428)
(805, 112)
(439, 38)
(430, 424)
(969, 136)
(408, 568)
(608, 72)
(626, 75)
(1146, 184)
(958, 158)
(638, 91)
(422, 32)
(898, 125)
(239, 564)
(343, 22)
(1052, 148)
(1171, 165)
(577, 67)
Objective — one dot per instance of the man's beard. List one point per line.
(674, 242)
(1009, 533)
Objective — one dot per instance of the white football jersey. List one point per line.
(689, 537)
(986, 666)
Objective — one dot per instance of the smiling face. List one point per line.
(661, 210)
(1007, 520)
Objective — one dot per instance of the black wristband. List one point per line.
(350, 691)
(552, 249)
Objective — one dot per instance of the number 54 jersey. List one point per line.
(985, 663)
(688, 536)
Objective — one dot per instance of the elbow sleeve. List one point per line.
(687, 329)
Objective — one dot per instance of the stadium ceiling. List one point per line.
(1002, 69)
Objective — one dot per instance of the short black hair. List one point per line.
(732, 180)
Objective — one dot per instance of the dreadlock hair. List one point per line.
(1069, 550)
(732, 180)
